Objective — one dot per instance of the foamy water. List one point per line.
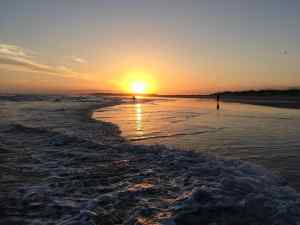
(268, 136)
(60, 168)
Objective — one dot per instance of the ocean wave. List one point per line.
(48, 177)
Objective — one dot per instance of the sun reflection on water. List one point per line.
(138, 118)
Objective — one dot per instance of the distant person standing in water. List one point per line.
(218, 101)
(134, 98)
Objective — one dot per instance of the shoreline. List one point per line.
(81, 171)
(269, 102)
(276, 99)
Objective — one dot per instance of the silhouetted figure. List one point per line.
(218, 102)
(133, 98)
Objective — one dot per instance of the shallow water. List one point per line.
(57, 167)
(264, 135)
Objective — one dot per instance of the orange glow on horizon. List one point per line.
(138, 83)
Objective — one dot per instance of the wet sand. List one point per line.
(289, 103)
(57, 166)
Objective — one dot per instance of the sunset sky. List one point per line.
(175, 46)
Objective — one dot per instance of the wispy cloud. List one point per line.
(18, 58)
(14, 51)
(78, 60)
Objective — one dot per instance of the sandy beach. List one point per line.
(58, 166)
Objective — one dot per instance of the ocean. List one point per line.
(264, 135)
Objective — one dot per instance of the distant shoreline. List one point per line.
(270, 102)
(273, 98)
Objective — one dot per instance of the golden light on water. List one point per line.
(138, 119)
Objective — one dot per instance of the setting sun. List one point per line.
(138, 82)
(138, 87)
